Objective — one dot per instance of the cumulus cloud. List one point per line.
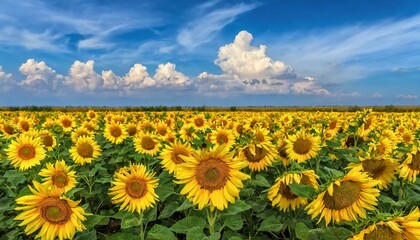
(377, 95)
(138, 77)
(248, 68)
(39, 76)
(408, 96)
(82, 77)
(6, 81)
(166, 74)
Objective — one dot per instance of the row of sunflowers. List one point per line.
(209, 175)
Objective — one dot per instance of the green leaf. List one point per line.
(259, 205)
(214, 236)
(301, 231)
(185, 224)
(91, 235)
(159, 232)
(14, 177)
(195, 233)
(122, 236)
(234, 222)
(336, 233)
(334, 173)
(164, 191)
(92, 221)
(261, 181)
(271, 224)
(302, 190)
(185, 205)
(129, 220)
(169, 209)
(235, 208)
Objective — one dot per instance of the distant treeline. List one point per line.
(386, 108)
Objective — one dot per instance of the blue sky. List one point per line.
(224, 53)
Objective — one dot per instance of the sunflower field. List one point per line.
(209, 175)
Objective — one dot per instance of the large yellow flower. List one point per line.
(280, 194)
(47, 139)
(134, 188)
(302, 146)
(171, 155)
(212, 178)
(25, 152)
(115, 133)
(147, 143)
(59, 175)
(51, 213)
(399, 228)
(379, 168)
(67, 122)
(346, 199)
(410, 168)
(221, 136)
(79, 132)
(257, 157)
(85, 150)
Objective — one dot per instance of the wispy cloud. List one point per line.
(352, 52)
(204, 26)
(409, 96)
(52, 23)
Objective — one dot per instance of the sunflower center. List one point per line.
(199, 122)
(116, 131)
(66, 123)
(55, 211)
(9, 129)
(24, 126)
(136, 188)
(148, 143)
(60, 179)
(350, 141)
(368, 124)
(343, 196)
(27, 152)
(333, 124)
(85, 150)
(47, 140)
(222, 138)
(286, 192)
(260, 137)
(302, 146)
(381, 149)
(239, 128)
(383, 233)
(260, 153)
(132, 130)
(175, 156)
(282, 152)
(374, 167)
(162, 131)
(212, 174)
(415, 163)
(89, 127)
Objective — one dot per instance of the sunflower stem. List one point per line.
(142, 231)
(211, 218)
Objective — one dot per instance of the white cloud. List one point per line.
(6, 81)
(82, 77)
(377, 95)
(111, 81)
(166, 74)
(408, 96)
(249, 69)
(138, 77)
(44, 40)
(205, 26)
(39, 76)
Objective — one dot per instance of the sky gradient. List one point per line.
(214, 53)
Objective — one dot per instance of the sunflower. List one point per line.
(85, 150)
(199, 122)
(410, 168)
(79, 132)
(25, 124)
(134, 187)
(8, 129)
(51, 213)
(258, 158)
(25, 152)
(66, 122)
(346, 199)
(115, 133)
(132, 129)
(406, 138)
(91, 114)
(187, 133)
(162, 129)
(399, 228)
(91, 126)
(280, 194)
(171, 155)
(383, 146)
(212, 178)
(379, 168)
(147, 143)
(221, 136)
(59, 175)
(302, 146)
(47, 139)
